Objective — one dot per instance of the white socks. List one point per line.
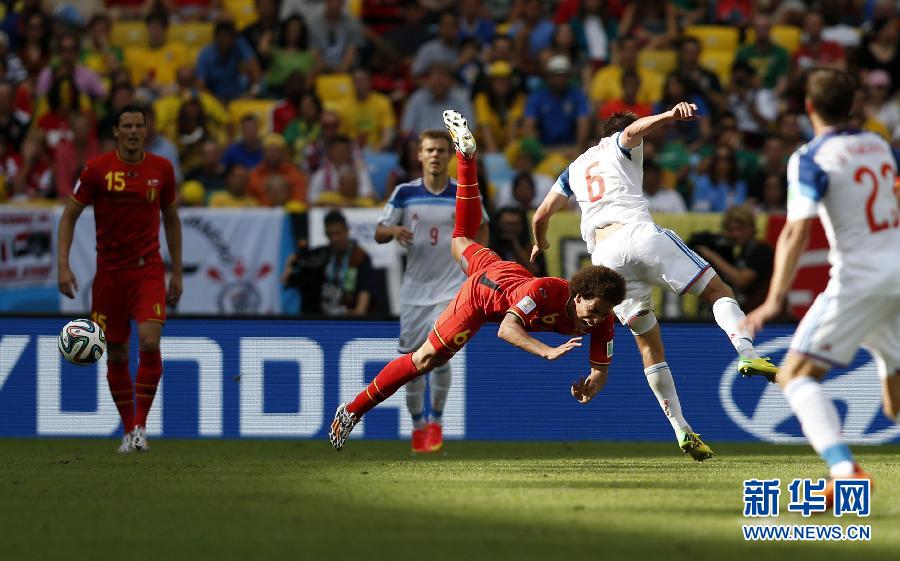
(820, 422)
(659, 377)
(439, 384)
(729, 317)
(415, 401)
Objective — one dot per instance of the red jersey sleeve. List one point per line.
(540, 304)
(87, 186)
(167, 190)
(602, 341)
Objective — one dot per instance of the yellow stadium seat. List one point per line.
(659, 61)
(243, 12)
(334, 87)
(192, 34)
(128, 34)
(719, 37)
(355, 8)
(262, 108)
(718, 62)
(787, 36)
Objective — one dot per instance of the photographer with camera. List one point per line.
(743, 261)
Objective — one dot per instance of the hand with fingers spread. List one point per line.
(559, 351)
(685, 111)
(585, 388)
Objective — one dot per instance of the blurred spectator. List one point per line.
(370, 115)
(607, 82)
(425, 107)
(63, 100)
(788, 127)
(499, 110)
(444, 49)
(311, 9)
(347, 192)
(15, 70)
(565, 43)
(408, 165)
(129, 9)
(14, 123)
(755, 108)
(697, 79)
(158, 144)
(815, 51)
(861, 119)
(34, 50)
(192, 131)
(228, 67)
(10, 163)
(73, 153)
(720, 188)
(631, 84)
(86, 80)
(473, 24)
(275, 162)
(287, 108)
(247, 151)
(337, 36)
(315, 151)
(743, 262)
(879, 106)
(774, 194)
(533, 32)
(291, 54)
(692, 133)
(154, 67)
(278, 192)
(469, 66)
(211, 172)
(407, 38)
(511, 239)
(653, 22)
(528, 187)
(773, 158)
(235, 194)
(770, 61)
(690, 12)
(187, 87)
(558, 115)
(97, 53)
(326, 179)
(591, 29)
(304, 131)
(34, 179)
(265, 30)
(196, 10)
(881, 49)
(660, 199)
(502, 50)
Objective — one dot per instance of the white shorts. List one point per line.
(647, 256)
(415, 324)
(839, 322)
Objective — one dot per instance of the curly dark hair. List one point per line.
(598, 282)
(618, 122)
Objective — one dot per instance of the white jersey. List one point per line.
(607, 181)
(846, 177)
(432, 275)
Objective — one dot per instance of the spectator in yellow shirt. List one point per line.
(500, 109)
(187, 88)
(370, 117)
(153, 67)
(235, 195)
(607, 82)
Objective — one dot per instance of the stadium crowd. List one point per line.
(301, 103)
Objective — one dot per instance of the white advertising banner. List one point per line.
(26, 247)
(231, 261)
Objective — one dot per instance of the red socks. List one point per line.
(391, 378)
(468, 199)
(149, 373)
(120, 387)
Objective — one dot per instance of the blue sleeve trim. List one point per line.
(563, 182)
(812, 179)
(625, 151)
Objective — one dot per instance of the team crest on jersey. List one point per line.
(153, 183)
(151, 195)
(527, 305)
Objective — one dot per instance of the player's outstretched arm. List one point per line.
(540, 222)
(67, 282)
(791, 242)
(172, 226)
(634, 133)
(587, 387)
(513, 332)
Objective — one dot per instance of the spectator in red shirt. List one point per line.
(631, 83)
(287, 109)
(816, 52)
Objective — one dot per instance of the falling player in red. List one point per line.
(128, 188)
(504, 292)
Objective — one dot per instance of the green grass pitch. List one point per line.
(222, 500)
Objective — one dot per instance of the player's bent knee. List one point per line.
(427, 358)
(642, 322)
(715, 289)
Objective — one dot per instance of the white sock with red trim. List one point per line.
(729, 317)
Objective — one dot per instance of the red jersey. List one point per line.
(127, 199)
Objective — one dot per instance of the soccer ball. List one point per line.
(82, 342)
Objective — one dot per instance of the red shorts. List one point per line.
(122, 294)
(467, 312)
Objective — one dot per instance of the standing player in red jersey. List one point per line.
(128, 188)
(504, 292)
